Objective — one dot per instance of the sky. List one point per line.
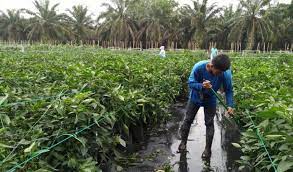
(94, 6)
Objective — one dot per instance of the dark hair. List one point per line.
(221, 62)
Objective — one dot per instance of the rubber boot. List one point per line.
(184, 136)
(185, 127)
(207, 151)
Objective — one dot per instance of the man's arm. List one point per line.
(194, 79)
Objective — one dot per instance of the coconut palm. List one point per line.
(200, 18)
(80, 22)
(46, 24)
(11, 25)
(221, 32)
(115, 23)
(280, 19)
(159, 20)
(251, 21)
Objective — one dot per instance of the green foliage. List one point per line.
(58, 93)
(63, 90)
(263, 89)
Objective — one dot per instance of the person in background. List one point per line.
(162, 52)
(214, 53)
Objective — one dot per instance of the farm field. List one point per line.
(70, 109)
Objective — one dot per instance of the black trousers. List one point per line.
(209, 114)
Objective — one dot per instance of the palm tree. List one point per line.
(200, 18)
(159, 20)
(251, 21)
(80, 22)
(46, 24)
(11, 25)
(223, 29)
(290, 9)
(115, 23)
(280, 19)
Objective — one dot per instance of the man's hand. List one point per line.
(207, 84)
(230, 111)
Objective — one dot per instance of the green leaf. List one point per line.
(273, 136)
(72, 163)
(42, 170)
(2, 99)
(88, 101)
(121, 98)
(30, 148)
(24, 142)
(119, 168)
(126, 129)
(246, 158)
(76, 119)
(269, 113)
(6, 119)
(81, 139)
(89, 165)
(5, 146)
(289, 139)
(40, 152)
(241, 167)
(264, 123)
(122, 142)
(284, 166)
(141, 101)
(284, 147)
(236, 145)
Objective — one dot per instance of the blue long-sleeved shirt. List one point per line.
(205, 97)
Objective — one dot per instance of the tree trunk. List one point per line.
(240, 46)
(141, 45)
(231, 47)
(251, 36)
(285, 46)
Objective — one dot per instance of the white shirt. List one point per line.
(162, 53)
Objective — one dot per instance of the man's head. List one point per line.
(220, 64)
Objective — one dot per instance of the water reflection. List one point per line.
(183, 164)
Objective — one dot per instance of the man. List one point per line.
(214, 52)
(162, 52)
(204, 76)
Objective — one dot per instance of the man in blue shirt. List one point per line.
(204, 76)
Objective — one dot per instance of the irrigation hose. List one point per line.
(260, 137)
(38, 153)
(226, 107)
(48, 149)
